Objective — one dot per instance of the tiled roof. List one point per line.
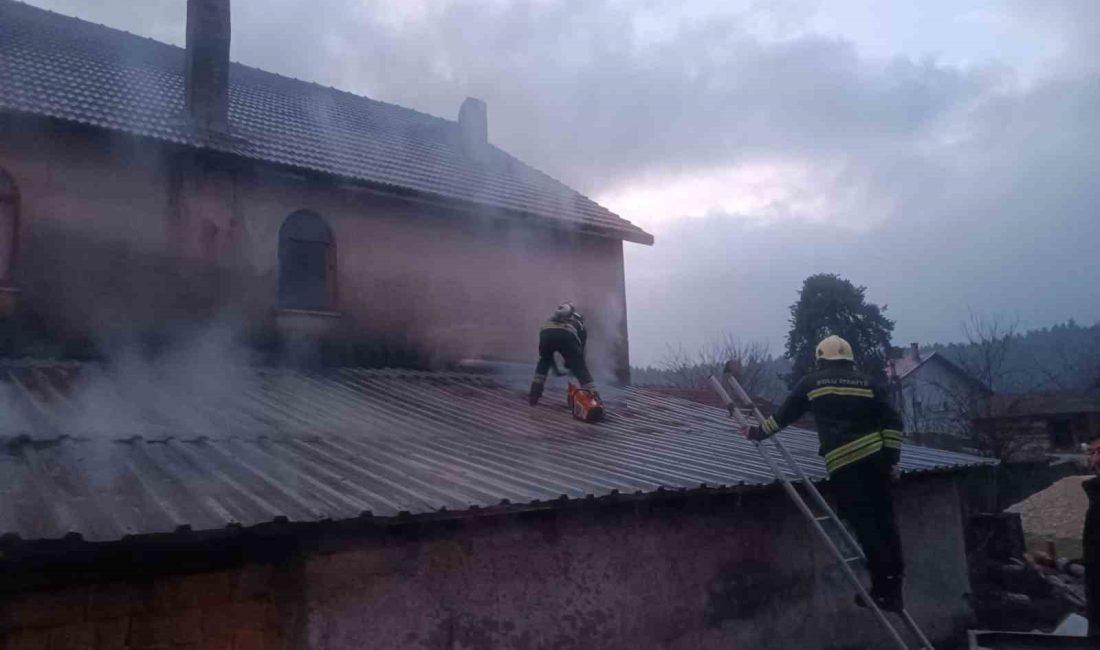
(73, 70)
(84, 451)
(902, 367)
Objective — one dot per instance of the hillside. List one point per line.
(1065, 356)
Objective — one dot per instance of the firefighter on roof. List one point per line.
(564, 334)
(860, 436)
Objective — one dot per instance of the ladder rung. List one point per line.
(852, 559)
(825, 518)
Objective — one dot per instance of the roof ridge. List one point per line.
(243, 66)
(85, 23)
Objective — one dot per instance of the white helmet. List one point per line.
(564, 311)
(834, 348)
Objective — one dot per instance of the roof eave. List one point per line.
(13, 546)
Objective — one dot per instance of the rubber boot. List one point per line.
(536, 393)
(890, 594)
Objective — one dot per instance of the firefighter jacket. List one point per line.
(573, 324)
(853, 414)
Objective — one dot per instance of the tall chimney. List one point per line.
(207, 74)
(473, 125)
(914, 351)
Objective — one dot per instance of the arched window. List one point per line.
(9, 225)
(307, 263)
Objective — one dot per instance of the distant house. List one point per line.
(1054, 421)
(927, 391)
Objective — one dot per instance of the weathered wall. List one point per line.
(466, 285)
(727, 577)
(118, 232)
(696, 573)
(224, 610)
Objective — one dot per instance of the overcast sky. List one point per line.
(945, 154)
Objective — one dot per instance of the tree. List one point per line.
(829, 304)
(1072, 360)
(757, 375)
(991, 341)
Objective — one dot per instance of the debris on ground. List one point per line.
(1033, 592)
(1072, 632)
(1016, 589)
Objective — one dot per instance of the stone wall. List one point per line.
(728, 574)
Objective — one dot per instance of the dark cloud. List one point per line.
(1001, 222)
(582, 90)
(943, 188)
(586, 90)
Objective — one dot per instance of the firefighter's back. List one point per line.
(847, 406)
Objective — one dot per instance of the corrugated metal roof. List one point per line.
(88, 453)
(77, 71)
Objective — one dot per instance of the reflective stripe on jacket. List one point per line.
(853, 414)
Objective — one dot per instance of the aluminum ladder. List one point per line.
(816, 520)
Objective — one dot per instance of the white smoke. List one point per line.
(188, 389)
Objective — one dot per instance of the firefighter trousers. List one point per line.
(862, 492)
(567, 345)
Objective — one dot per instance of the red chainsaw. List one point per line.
(585, 405)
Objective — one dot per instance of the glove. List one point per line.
(536, 393)
(755, 433)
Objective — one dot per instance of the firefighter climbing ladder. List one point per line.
(818, 521)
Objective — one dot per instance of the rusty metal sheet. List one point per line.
(328, 446)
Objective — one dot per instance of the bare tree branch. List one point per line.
(991, 341)
(692, 370)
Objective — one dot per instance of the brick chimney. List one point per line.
(473, 127)
(914, 352)
(207, 74)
